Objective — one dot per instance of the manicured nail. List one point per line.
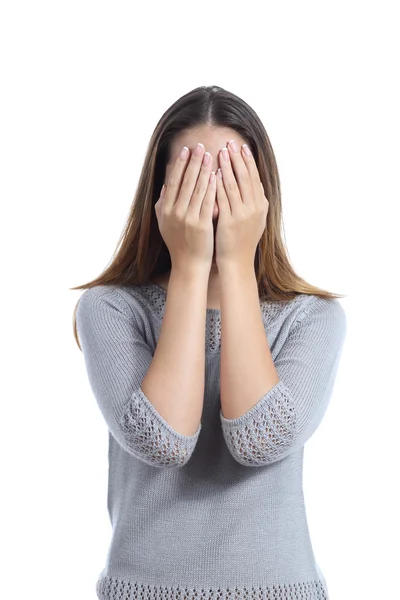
(225, 153)
(206, 158)
(246, 149)
(233, 146)
(219, 174)
(198, 150)
(184, 152)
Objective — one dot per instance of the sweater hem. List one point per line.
(112, 588)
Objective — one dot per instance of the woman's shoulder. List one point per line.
(278, 310)
(304, 306)
(126, 299)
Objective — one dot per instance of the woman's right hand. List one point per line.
(185, 208)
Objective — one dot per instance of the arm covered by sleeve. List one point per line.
(117, 360)
(286, 416)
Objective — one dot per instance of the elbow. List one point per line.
(257, 449)
(155, 442)
(267, 433)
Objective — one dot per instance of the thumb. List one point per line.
(158, 204)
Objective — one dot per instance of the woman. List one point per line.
(213, 363)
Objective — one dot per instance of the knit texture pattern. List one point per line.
(218, 515)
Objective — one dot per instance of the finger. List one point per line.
(194, 203)
(229, 181)
(176, 177)
(250, 163)
(224, 206)
(241, 173)
(207, 206)
(195, 181)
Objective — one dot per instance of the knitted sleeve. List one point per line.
(286, 416)
(117, 359)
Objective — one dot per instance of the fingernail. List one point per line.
(199, 149)
(246, 149)
(233, 145)
(206, 158)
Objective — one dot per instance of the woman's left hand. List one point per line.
(242, 208)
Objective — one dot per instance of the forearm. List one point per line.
(247, 369)
(174, 382)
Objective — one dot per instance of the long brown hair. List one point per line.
(141, 253)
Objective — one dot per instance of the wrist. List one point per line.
(190, 271)
(229, 269)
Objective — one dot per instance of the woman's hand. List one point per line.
(242, 206)
(185, 207)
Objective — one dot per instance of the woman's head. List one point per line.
(213, 116)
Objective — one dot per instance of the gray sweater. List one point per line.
(219, 515)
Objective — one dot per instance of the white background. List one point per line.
(83, 84)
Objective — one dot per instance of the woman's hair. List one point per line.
(141, 253)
